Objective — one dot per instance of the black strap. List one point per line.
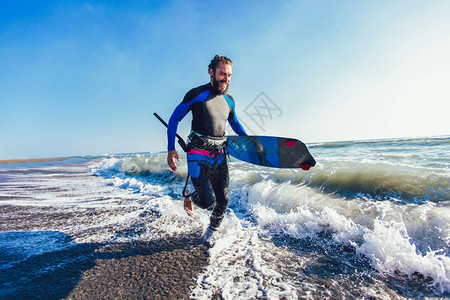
(185, 186)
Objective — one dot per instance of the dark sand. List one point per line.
(156, 269)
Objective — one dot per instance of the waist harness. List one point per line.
(203, 142)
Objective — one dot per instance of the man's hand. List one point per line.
(171, 156)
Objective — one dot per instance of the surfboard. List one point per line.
(270, 151)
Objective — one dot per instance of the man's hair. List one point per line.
(217, 60)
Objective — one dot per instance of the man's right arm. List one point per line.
(178, 114)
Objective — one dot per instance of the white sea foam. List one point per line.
(388, 246)
(301, 212)
(281, 225)
(242, 266)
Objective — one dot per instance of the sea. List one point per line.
(370, 221)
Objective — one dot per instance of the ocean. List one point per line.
(370, 221)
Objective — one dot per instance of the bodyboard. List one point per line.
(270, 151)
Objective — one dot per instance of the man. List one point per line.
(211, 108)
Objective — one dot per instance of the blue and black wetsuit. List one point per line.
(208, 169)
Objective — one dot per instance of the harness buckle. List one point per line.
(203, 142)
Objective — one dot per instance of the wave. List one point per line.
(421, 141)
(381, 182)
(361, 180)
(136, 165)
(399, 183)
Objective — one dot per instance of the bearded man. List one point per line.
(211, 108)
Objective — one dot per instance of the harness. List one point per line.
(211, 146)
(202, 142)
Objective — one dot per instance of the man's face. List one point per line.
(220, 79)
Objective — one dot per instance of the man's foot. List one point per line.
(208, 237)
(188, 205)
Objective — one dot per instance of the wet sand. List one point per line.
(157, 269)
(15, 161)
(163, 269)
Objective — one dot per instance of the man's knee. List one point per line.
(203, 200)
(205, 204)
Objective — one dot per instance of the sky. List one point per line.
(85, 77)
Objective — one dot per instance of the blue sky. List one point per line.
(84, 77)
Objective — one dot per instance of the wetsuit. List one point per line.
(208, 168)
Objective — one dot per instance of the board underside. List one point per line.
(269, 151)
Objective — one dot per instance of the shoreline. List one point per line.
(25, 160)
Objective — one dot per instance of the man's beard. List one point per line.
(218, 88)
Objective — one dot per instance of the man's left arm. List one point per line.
(232, 118)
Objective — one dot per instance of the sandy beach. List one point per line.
(160, 269)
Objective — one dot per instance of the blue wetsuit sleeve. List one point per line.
(178, 114)
(194, 95)
(237, 127)
(232, 119)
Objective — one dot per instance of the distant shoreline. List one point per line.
(7, 161)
